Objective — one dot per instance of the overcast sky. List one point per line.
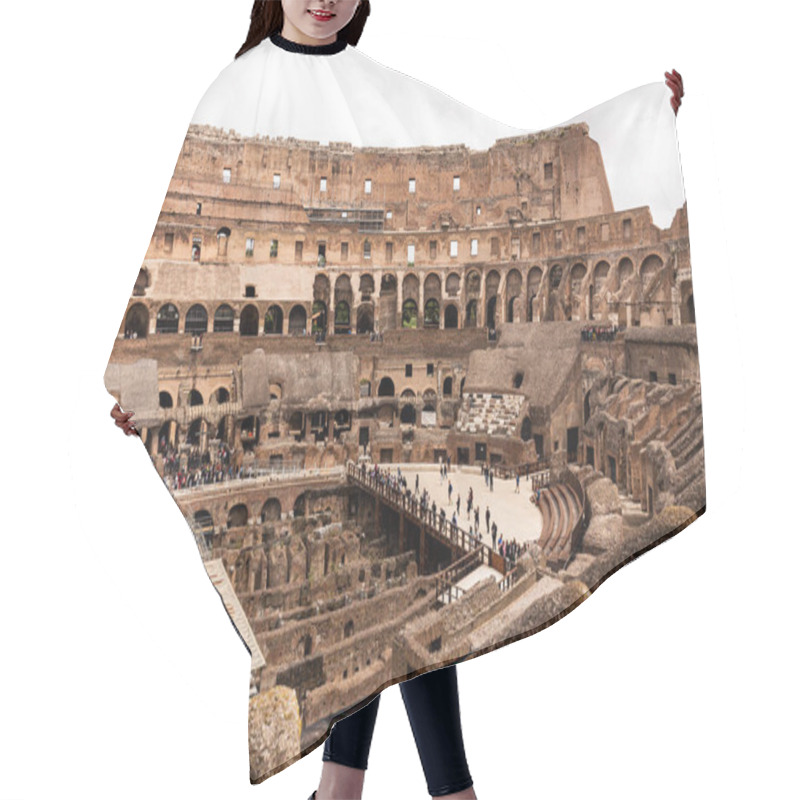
(640, 150)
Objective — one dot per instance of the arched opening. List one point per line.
(196, 320)
(271, 510)
(223, 234)
(447, 387)
(365, 321)
(273, 320)
(223, 319)
(491, 309)
(167, 319)
(408, 414)
(410, 314)
(341, 319)
(452, 284)
(137, 322)
(222, 395)
(526, 433)
(518, 376)
(248, 321)
(251, 427)
(451, 316)
(319, 317)
(238, 516)
(432, 314)
(193, 434)
(650, 266)
(195, 398)
(204, 522)
(164, 400)
(297, 321)
(624, 270)
(471, 317)
(386, 388)
(300, 506)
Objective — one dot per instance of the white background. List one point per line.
(121, 673)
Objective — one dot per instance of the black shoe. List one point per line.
(313, 795)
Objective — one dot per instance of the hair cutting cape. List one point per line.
(419, 381)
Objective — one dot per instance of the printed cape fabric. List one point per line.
(419, 381)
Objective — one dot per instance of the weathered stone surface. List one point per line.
(274, 728)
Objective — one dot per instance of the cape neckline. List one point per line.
(308, 49)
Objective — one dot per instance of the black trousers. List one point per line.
(433, 710)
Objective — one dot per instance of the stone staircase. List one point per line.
(489, 413)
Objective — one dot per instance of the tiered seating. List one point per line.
(488, 413)
(561, 512)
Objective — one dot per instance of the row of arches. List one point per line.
(427, 312)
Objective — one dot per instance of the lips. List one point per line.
(323, 16)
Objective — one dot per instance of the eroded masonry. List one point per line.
(305, 312)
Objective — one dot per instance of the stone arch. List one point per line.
(365, 318)
(238, 516)
(343, 290)
(410, 313)
(223, 234)
(408, 414)
(341, 318)
(601, 270)
(322, 288)
(273, 320)
(452, 285)
(297, 321)
(203, 521)
(411, 287)
(471, 315)
(222, 395)
(196, 321)
(195, 398)
(534, 280)
(624, 270)
(492, 287)
(248, 321)
(447, 387)
(223, 319)
(513, 292)
(366, 286)
(319, 317)
(576, 275)
(137, 321)
(650, 266)
(431, 318)
(271, 510)
(388, 301)
(167, 319)
(386, 387)
(165, 400)
(300, 505)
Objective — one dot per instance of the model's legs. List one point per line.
(435, 716)
(346, 753)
